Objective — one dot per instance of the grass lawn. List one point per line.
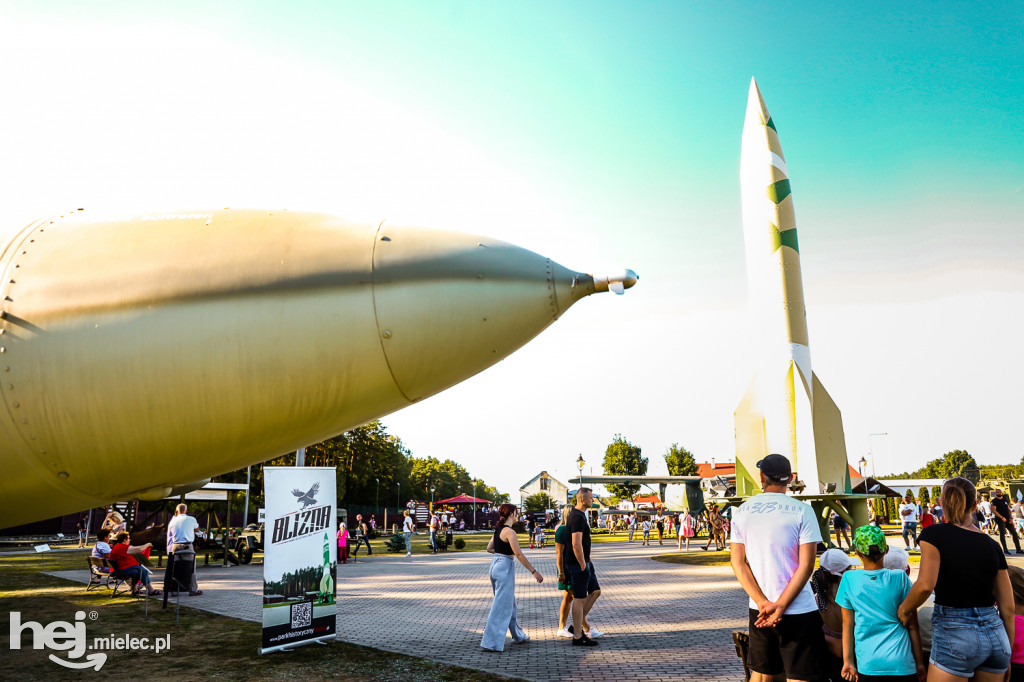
(210, 646)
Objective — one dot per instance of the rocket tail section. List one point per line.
(829, 439)
(826, 424)
(751, 440)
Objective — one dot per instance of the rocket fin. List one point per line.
(829, 440)
(751, 440)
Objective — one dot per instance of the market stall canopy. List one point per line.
(463, 499)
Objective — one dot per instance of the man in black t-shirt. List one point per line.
(579, 570)
(1001, 509)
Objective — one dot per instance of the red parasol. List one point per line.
(463, 499)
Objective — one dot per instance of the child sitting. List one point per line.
(875, 643)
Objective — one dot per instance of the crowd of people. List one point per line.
(862, 619)
(131, 562)
(577, 578)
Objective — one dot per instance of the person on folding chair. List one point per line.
(122, 556)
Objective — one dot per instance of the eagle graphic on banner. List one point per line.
(307, 498)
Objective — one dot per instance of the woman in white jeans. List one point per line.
(505, 547)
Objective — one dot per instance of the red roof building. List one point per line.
(711, 470)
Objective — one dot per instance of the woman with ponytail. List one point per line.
(973, 620)
(505, 547)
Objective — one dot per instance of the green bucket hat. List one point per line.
(866, 537)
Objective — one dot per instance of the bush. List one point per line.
(372, 534)
(395, 544)
(459, 543)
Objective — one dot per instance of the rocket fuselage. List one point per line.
(141, 353)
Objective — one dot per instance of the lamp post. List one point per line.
(431, 499)
(579, 482)
(398, 497)
(474, 503)
(871, 450)
(863, 463)
(376, 501)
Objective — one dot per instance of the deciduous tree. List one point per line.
(622, 458)
(680, 461)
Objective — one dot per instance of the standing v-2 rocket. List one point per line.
(785, 409)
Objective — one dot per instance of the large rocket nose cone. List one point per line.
(757, 111)
(449, 305)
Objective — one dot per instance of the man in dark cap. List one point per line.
(774, 539)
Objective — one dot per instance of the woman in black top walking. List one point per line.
(505, 547)
(972, 624)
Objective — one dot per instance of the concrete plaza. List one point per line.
(661, 621)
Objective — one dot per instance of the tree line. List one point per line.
(374, 468)
(960, 463)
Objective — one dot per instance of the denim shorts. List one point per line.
(969, 639)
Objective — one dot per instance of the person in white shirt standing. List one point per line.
(408, 527)
(181, 536)
(987, 517)
(774, 539)
(909, 513)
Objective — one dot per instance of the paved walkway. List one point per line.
(661, 621)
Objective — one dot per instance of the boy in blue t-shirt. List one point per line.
(876, 646)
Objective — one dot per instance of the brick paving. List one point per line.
(661, 621)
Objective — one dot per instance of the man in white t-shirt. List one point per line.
(908, 512)
(774, 539)
(181, 536)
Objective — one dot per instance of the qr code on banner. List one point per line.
(302, 614)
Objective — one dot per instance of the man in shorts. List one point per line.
(579, 570)
(774, 539)
(909, 514)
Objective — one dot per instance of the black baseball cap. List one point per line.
(775, 466)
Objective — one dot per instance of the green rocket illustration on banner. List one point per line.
(326, 593)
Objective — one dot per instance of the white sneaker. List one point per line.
(565, 633)
(594, 633)
(409, 554)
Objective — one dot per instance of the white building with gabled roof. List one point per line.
(545, 483)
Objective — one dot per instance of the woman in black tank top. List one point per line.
(499, 546)
(505, 547)
(973, 619)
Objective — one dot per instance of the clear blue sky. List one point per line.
(599, 134)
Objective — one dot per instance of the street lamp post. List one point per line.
(431, 499)
(474, 503)
(871, 450)
(398, 498)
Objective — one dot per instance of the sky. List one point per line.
(602, 135)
